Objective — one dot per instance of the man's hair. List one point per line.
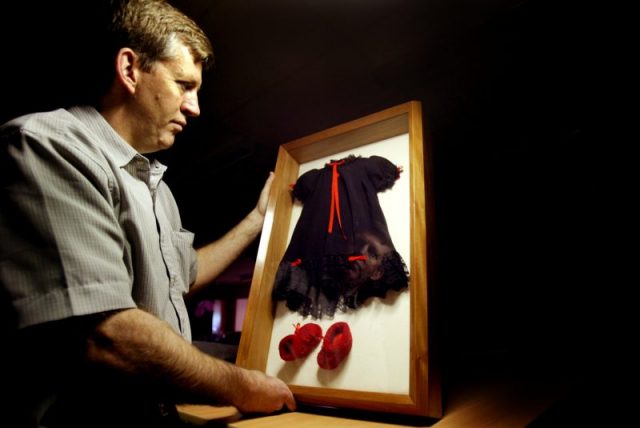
(151, 27)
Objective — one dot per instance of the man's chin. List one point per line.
(167, 143)
(160, 146)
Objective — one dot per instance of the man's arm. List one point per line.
(135, 342)
(215, 257)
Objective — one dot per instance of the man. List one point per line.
(94, 262)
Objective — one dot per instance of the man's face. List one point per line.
(164, 98)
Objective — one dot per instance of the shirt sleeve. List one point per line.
(382, 172)
(62, 250)
(305, 185)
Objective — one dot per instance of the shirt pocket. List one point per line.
(186, 256)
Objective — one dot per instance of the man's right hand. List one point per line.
(264, 394)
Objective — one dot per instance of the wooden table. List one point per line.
(489, 400)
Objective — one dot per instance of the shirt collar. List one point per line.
(116, 147)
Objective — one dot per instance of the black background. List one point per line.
(524, 200)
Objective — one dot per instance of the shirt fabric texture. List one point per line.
(87, 223)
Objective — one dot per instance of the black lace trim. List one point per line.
(321, 287)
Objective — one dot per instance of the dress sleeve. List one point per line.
(382, 172)
(305, 185)
(62, 250)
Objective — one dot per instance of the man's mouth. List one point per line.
(179, 126)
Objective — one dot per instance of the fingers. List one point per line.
(264, 194)
(283, 396)
(286, 396)
(290, 402)
(266, 395)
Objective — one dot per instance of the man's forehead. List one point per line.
(184, 67)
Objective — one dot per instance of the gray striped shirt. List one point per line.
(86, 223)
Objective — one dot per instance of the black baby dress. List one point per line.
(340, 253)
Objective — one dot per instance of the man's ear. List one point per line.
(127, 70)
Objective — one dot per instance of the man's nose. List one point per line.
(190, 105)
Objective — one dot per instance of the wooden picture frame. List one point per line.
(420, 395)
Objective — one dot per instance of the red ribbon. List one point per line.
(335, 198)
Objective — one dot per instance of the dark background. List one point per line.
(509, 89)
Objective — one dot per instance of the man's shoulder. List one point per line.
(48, 122)
(59, 133)
(59, 129)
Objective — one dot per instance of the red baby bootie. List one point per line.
(301, 342)
(335, 346)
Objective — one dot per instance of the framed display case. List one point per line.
(390, 367)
